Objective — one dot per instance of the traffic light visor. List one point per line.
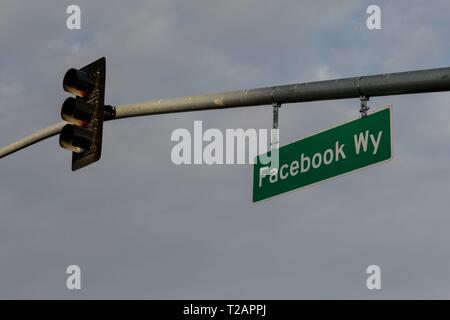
(76, 139)
(78, 82)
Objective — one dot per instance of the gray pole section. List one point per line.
(422, 81)
(32, 139)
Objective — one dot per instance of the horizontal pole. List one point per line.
(411, 82)
(33, 138)
(422, 81)
(45, 133)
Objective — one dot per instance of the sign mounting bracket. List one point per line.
(364, 107)
(275, 137)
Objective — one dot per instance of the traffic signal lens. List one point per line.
(78, 82)
(77, 112)
(76, 139)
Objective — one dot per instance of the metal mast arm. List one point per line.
(422, 81)
(32, 139)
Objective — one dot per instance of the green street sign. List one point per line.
(339, 150)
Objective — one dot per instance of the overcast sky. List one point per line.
(141, 227)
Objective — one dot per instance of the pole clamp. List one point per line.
(275, 136)
(364, 107)
(109, 112)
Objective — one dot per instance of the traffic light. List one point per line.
(84, 112)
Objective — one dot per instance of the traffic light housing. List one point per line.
(85, 113)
